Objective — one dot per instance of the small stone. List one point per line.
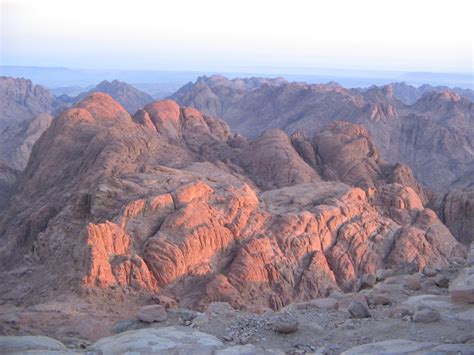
(153, 313)
(285, 325)
(426, 316)
(358, 310)
(430, 272)
(441, 281)
(228, 337)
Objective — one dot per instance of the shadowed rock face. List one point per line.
(24, 115)
(7, 180)
(20, 100)
(434, 136)
(170, 200)
(456, 208)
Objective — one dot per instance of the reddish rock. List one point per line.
(121, 205)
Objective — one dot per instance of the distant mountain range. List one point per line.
(128, 96)
(428, 128)
(434, 135)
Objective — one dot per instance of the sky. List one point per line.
(402, 35)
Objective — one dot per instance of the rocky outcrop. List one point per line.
(164, 201)
(21, 100)
(18, 146)
(164, 340)
(273, 162)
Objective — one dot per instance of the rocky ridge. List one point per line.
(171, 204)
(128, 96)
(433, 136)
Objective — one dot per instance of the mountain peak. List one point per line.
(130, 97)
(101, 105)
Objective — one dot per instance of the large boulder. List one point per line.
(392, 346)
(177, 340)
(21, 344)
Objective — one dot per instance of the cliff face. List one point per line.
(25, 112)
(434, 136)
(456, 208)
(20, 100)
(171, 200)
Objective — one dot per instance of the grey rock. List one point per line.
(430, 272)
(393, 346)
(426, 316)
(380, 300)
(123, 325)
(458, 349)
(435, 302)
(220, 308)
(248, 349)
(358, 310)
(462, 288)
(201, 320)
(17, 344)
(466, 315)
(285, 324)
(153, 313)
(168, 340)
(185, 314)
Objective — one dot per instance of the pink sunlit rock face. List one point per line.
(172, 201)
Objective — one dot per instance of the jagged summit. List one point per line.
(413, 134)
(128, 96)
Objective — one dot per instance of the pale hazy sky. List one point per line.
(417, 35)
